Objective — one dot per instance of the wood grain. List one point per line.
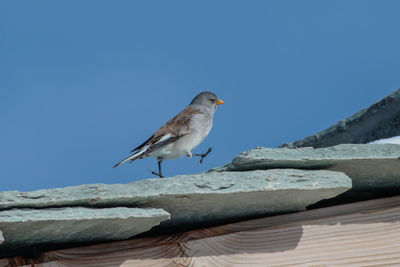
(359, 234)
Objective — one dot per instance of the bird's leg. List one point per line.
(159, 174)
(203, 155)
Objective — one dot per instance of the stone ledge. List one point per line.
(198, 199)
(24, 227)
(371, 166)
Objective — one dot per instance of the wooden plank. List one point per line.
(4, 262)
(359, 234)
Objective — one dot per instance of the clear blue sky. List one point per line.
(83, 82)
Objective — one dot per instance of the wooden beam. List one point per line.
(358, 234)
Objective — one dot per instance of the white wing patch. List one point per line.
(141, 151)
(165, 137)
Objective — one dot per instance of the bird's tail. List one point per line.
(132, 158)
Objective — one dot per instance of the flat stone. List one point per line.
(24, 227)
(371, 166)
(204, 198)
(380, 120)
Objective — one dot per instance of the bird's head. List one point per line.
(207, 100)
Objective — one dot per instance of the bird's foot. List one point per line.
(156, 173)
(203, 155)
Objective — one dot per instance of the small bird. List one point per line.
(180, 135)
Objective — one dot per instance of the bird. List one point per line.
(180, 135)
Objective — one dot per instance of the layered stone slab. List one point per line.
(198, 199)
(24, 227)
(380, 120)
(371, 166)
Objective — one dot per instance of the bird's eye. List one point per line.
(212, 100)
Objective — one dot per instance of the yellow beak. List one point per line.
(220, 102)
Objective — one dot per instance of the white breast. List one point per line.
(200, 128)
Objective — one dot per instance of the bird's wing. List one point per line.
(142, 145)
(174, 129)
(170, 132)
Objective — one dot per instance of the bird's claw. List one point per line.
(156, 173)
(203, 155)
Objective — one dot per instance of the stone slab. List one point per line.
(380, 120)
(371, 166)
(198, 199)
(24, 227)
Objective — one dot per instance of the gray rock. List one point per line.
(381, 120)
(1, 237)
(24, 227)
(198, 199)
(371, 166)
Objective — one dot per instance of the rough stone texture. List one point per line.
(24, 227)
(381, 120)
(1, 237)
(203, 198)
(371, 166)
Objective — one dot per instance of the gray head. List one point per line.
(207, 100)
